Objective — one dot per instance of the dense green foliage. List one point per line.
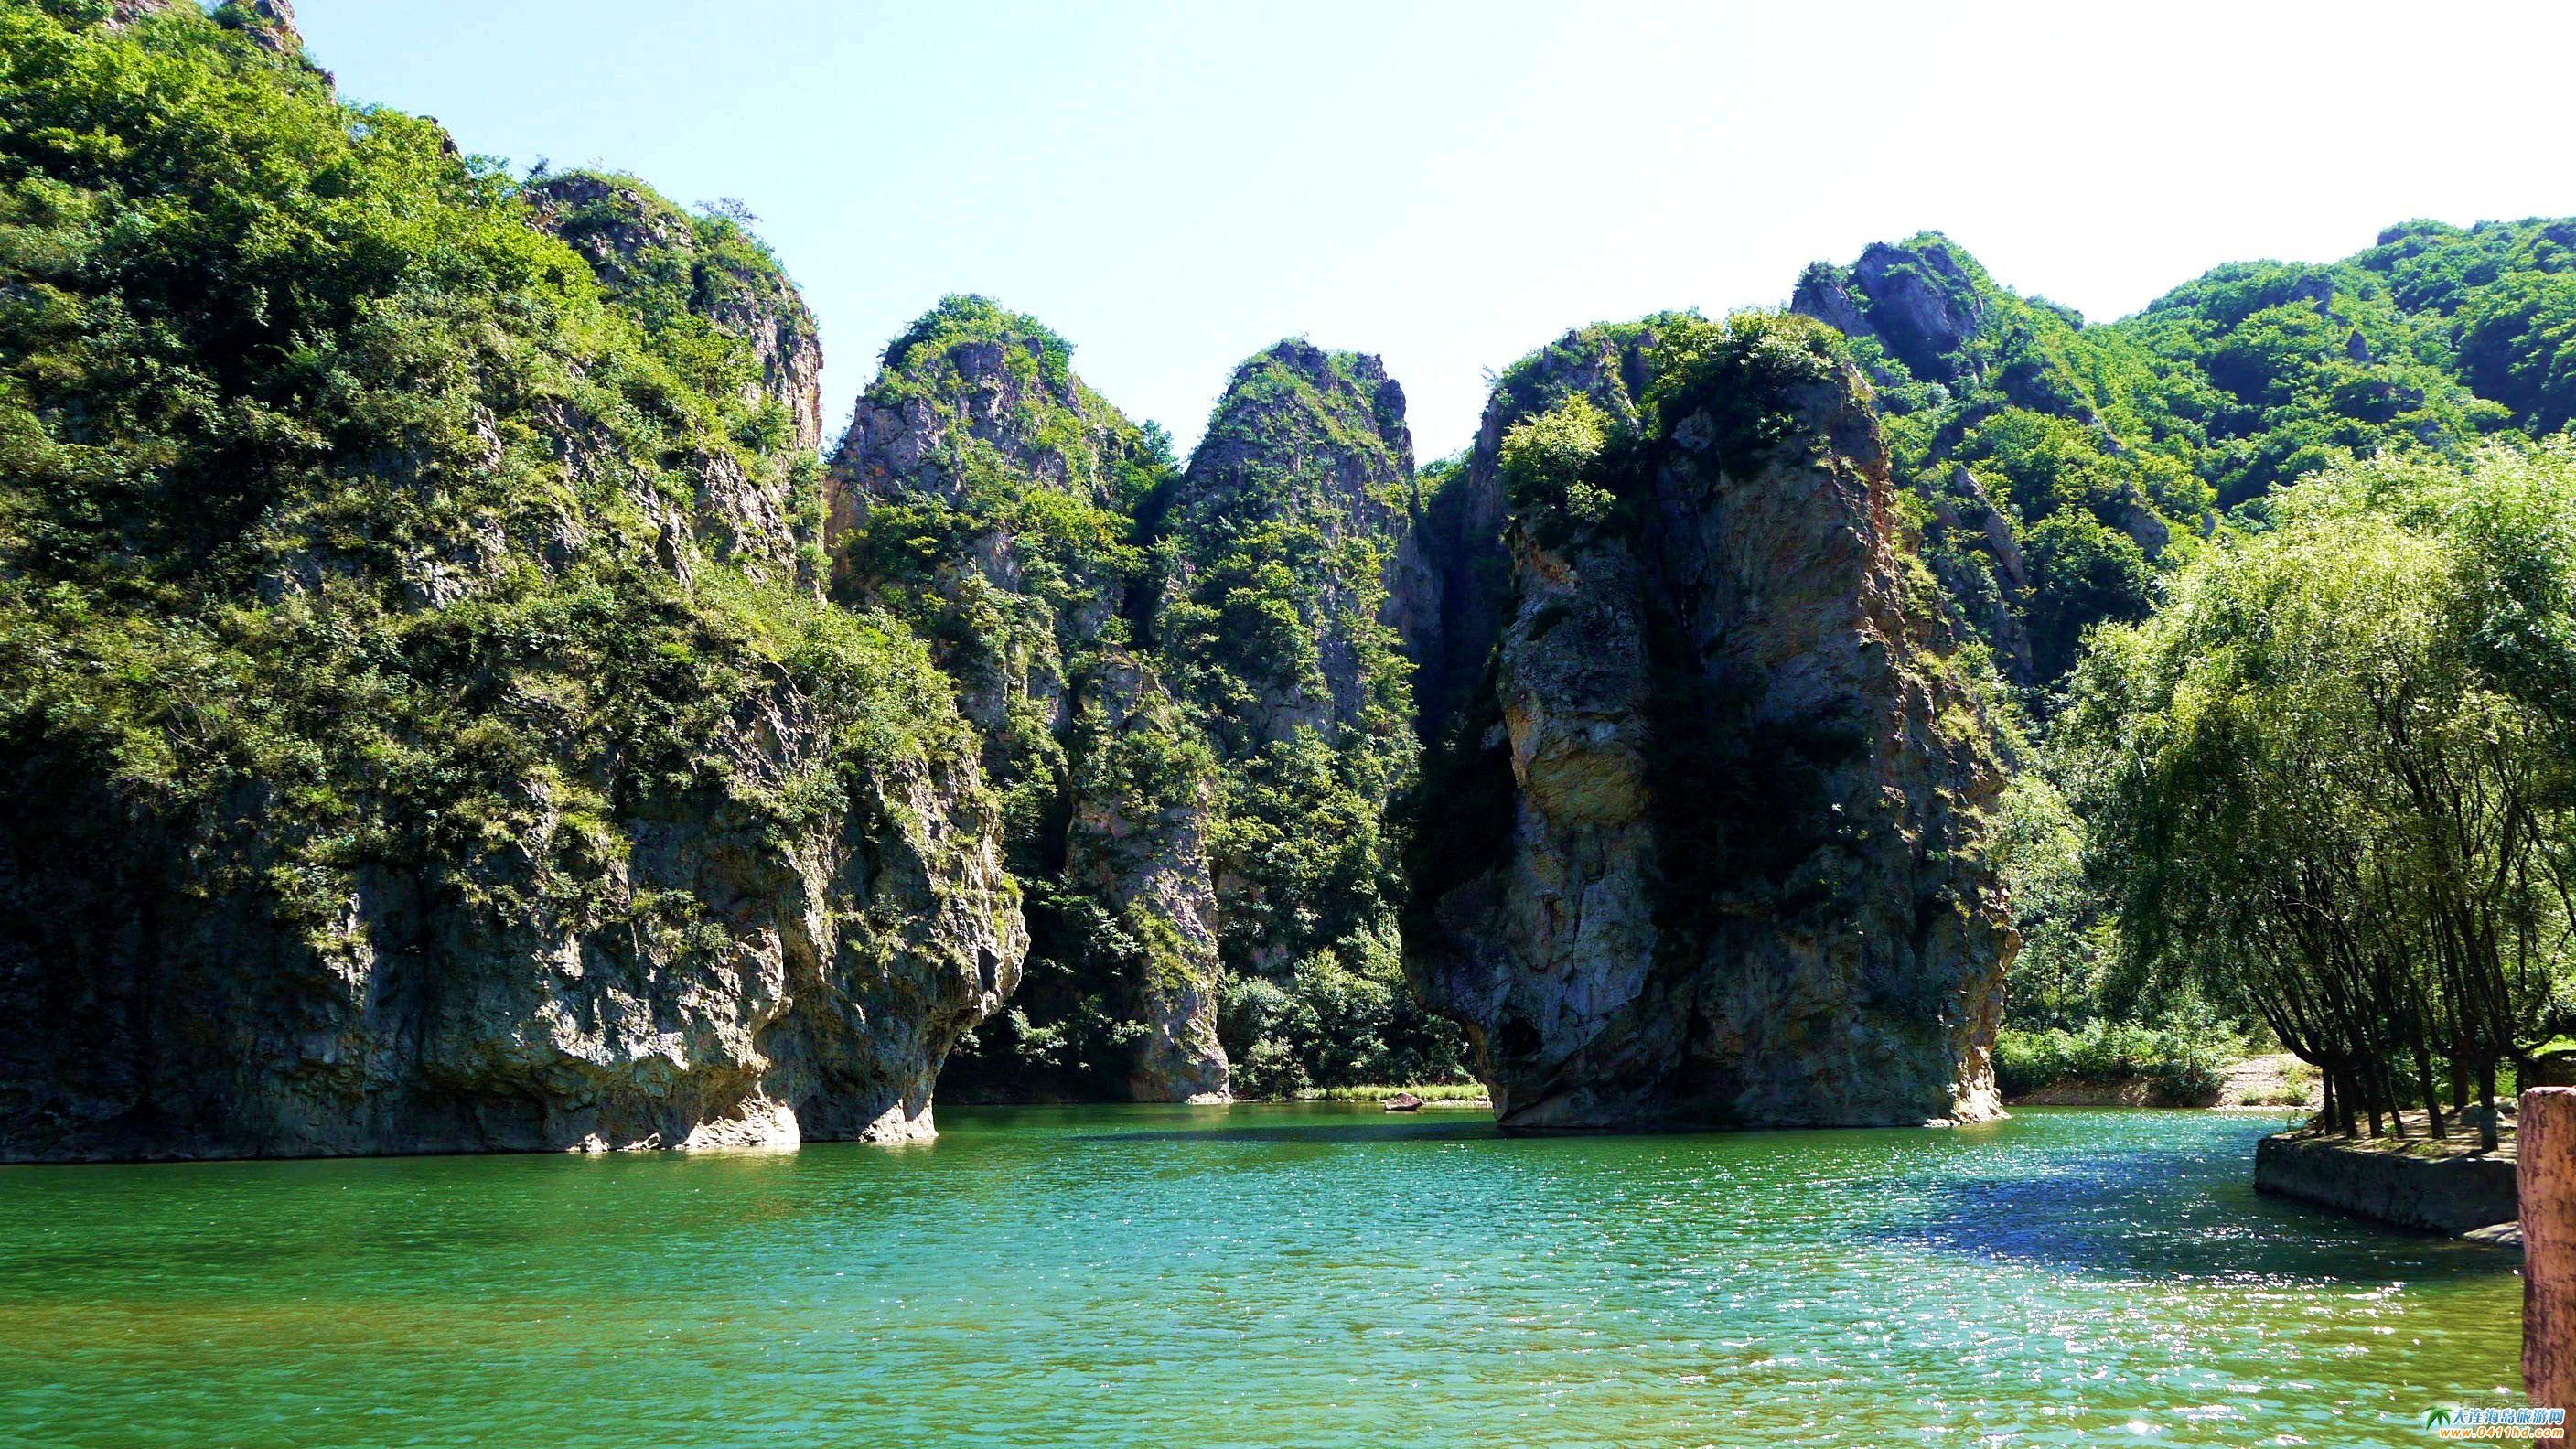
(2072, 474)
(2065, 974)
(2105, 452)
(1280, 539)
(1197, 658)
(2332, 779)
(337, 498)
(2029, 438)
(1076, 541)
(1021, 549)
(2077, 1009)
(2183, 1061)
(1575, 459)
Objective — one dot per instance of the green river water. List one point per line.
(1275, 1275)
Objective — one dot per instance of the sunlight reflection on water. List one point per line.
(1292, 1275)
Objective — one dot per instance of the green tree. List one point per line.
(2313, 786)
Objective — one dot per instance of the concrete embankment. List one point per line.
(2443, 1187)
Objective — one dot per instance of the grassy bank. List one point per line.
(1429, 1092)
(2176, 1068)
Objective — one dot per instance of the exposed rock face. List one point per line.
(1717, 828)
(557, 829)
(971, 416)
(1449, 632)
(678, 270)
(1462, 533)
(269, 23)
(1190, 683)
(1918, 300)
(978, 435)
(1963, 507)
(159, 1007)
(272, 24)
(1306, 439)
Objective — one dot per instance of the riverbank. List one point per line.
(2445, 1185)
(2273, 1082)
(1450, 1096)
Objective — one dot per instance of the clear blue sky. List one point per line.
(1175, 186)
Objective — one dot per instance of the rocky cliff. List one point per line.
(1191, 688)
(678, 271)
(1296, 571)
(1465, 525)
(709, 293)
(1309, 450)
(1706, 849)
(417, 734)
(987, 496)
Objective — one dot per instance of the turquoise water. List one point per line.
(1277, 1275)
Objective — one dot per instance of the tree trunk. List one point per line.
(2487, 1124)
(2432, 1094)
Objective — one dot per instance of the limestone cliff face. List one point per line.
(974, 425)
(1297, 569)
(723, 985)
(270, 24)
(1305, 439)
(522, 798)
(1462, 537)
(1719, 819)
(1917, 299)
(683, 272)
(986, 495)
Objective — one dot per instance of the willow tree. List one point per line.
(2331, 776)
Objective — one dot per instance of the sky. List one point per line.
(1175, 186)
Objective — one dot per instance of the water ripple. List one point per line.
(1294, 1276)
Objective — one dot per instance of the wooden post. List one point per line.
(2545, 1174)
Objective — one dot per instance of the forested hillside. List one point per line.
(2074, 475)
(2064, 467)
(2333, 780)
